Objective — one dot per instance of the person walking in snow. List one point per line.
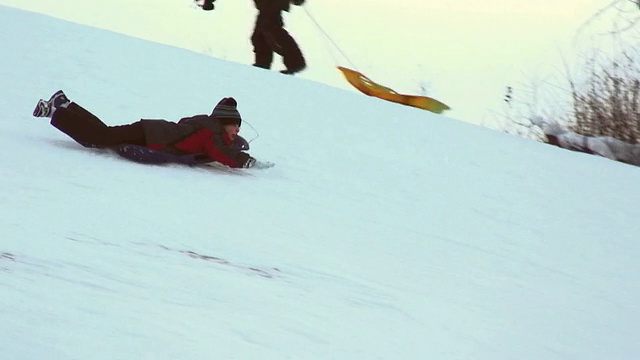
(212, 137)
(269, 37)
(605, 146)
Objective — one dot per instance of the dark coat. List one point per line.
(193, 135)
(272, 5)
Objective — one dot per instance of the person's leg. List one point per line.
(288, 48)
(263, 53)
(89, 131)
(282, 43)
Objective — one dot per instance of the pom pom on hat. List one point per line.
(226, 111)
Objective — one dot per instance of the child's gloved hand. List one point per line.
(249, 163)
(263, 164)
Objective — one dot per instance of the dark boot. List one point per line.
(58, 100)
(42, 109)
(47, 108)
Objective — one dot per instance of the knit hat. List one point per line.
(226, 111)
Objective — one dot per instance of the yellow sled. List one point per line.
(371, 88)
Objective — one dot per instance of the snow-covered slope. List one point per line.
(383, 231)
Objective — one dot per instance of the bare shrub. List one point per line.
(600, 96)
(607, 103)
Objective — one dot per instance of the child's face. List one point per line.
(232, 130)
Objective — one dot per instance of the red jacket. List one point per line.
(201, 141)
(185, 138)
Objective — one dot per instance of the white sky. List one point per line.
(389, 232)
(464, 53)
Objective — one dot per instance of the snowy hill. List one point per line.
(383, 231)
(464, 53)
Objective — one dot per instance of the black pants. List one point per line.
(269, 36)
(89, 131)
